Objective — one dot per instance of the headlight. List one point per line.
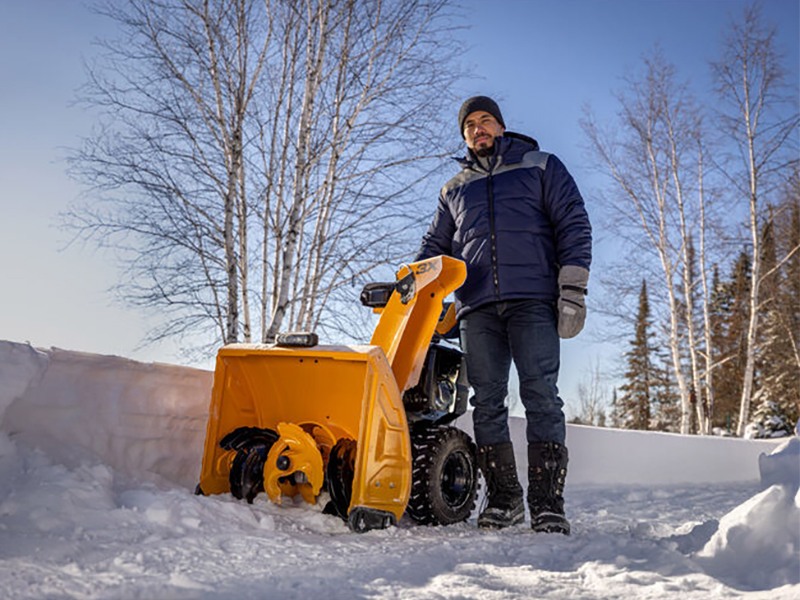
(302, 339)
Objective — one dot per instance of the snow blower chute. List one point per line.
(368, 424)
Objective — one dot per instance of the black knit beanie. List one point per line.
(478, 103)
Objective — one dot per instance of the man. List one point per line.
(516, 218)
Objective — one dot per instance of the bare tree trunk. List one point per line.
(755, 280)
(230, 196)
(708, 372)
(686, 256)
(663, 248)
(276, 163)
(325, 204)
(316, 46)
(233, 89)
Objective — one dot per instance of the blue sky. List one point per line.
(541, 59)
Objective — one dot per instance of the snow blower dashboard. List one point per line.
(377, 294)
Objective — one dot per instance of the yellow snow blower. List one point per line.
(368, 425)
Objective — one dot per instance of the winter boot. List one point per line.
(504, 506)
(547, 473)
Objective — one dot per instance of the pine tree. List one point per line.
(666, 397)
(719, 304)
(769, 420)
(633, 405)
(789, 300)
(790, 297)
(729, 327)
(778, 392)
(769, 308)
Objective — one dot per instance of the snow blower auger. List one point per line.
(367, 424)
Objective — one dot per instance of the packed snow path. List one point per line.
(98, 457)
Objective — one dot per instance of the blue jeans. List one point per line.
(526, 332)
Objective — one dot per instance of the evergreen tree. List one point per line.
(769, 420)
(766, 359)
(778, 392)
(730, 312)
(789, 300)
(666, 398)
(719, 306)
(633, 405)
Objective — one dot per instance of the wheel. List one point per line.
(444, 480)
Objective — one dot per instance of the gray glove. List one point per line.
(572, 282)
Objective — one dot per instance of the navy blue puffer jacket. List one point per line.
(515, 224)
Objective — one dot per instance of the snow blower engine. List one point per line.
(369, 425)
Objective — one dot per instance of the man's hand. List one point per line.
(572, 282)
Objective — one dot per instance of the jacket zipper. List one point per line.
(493, 236)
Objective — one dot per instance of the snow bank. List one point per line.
(136, 418)
(782, 465)
(21, 366)
(662, 458)
(756, 545)
(606, 456)
(150, 418)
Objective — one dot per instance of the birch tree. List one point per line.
(174, 95)
(759, 116)
(363, 145)
(256, 160)
(648, 157)
(707, 392)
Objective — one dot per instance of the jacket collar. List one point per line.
(508, 149)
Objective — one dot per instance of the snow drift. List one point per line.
(139, 419)
(99, 456)
(149, 419)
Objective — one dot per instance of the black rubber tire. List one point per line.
(444, 476)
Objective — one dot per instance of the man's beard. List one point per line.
(485, 151)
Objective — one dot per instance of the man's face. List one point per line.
(480, 129)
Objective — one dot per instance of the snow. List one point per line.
(99, 457)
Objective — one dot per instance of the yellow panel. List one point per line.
(343, 391)
(261, 386)
(383, 466)
(404, 331)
